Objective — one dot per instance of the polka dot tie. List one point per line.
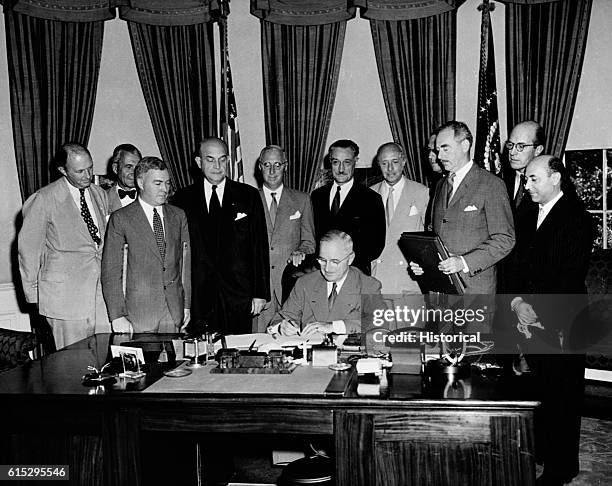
(91, 226)
(158, 229)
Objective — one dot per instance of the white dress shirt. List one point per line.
(545, 208)
(397, 191)
(344, 190)
(338, 326)
(268, 195)
(460, 175)
(148, 210)
(208, 191)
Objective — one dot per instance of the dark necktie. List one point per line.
(214, 207)
(123, 194)
(332, 297)
(91, 226)
(273, 208)
(449, 187)
(335, 207)
(521, 191)
(158, 229)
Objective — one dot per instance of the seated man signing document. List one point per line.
(329, 301)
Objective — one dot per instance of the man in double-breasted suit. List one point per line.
(350, 207)
(157, 278)
(60, 249)
(123, 162)
(405, 207)
(471, 213)
(230, 276)
(332, 300)
(550, 262)
(289, 222)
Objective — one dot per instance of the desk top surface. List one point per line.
(58, 376)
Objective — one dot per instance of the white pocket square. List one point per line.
(471, 208)
(240, 216)
(295, 215)
(413, 211)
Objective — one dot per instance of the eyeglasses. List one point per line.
(333, 261)
(519, 146)
(270, 165)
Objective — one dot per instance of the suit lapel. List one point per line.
(142, 227)
(98, 208)
(464, 186)
(171, 230)
(319, 299)
(75, 213)
(285, 206)
(348, 200)
(267, 213)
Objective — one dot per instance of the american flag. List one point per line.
(228, 114)
(487, 148)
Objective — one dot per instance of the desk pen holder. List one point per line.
(196, 351)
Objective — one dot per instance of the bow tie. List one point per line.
(131, 193)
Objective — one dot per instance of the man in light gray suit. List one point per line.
(60, 249)
(471, 213)
(290, 225)
(123, 162)
(405, 207)
(157, 275)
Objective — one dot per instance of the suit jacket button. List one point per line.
(164, 287)
(164, 269)
(272, 267)
(444, 220)
(271, 248)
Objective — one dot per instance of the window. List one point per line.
(591, 171)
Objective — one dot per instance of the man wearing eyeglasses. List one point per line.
(350, 207)
(526, 142)
(230, 276)
(289, 223)
(328, 301)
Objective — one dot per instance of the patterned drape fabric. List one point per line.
(176, 68)
(53, 76)
(545, 45)
(416, 66)
(301, 65)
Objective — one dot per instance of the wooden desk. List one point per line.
(48, 417)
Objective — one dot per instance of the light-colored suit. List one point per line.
(477, 225)
(391, 267)
(58, 259)
(153, 286)
(307, 301)
(293, 231)
(114, 201)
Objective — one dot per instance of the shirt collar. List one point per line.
(278, 191)
(397, 188)
(208, 185)
(461, 173)
(338, 283)
(545, 208)
(345, 188)
(148, 209)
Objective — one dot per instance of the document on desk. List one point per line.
(265, 342)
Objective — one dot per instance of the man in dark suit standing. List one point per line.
(289, 222)
(554, 242)
(350, 207)
(230, 262)
(60, 249)
(471, 213)
(157, 293)
(123, 162)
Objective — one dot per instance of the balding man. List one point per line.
(332, 300)
(554, 242)
(230, 262)
(289, 222)
(60, 249)
(405, 207)
(123, 162)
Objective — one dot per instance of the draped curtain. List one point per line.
(174, 50)
(176, 68)
(53, 75)
(545, 45)
(416, 65)
(301, 65)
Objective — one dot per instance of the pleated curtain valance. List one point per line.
(318, 12)
(152, 12)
